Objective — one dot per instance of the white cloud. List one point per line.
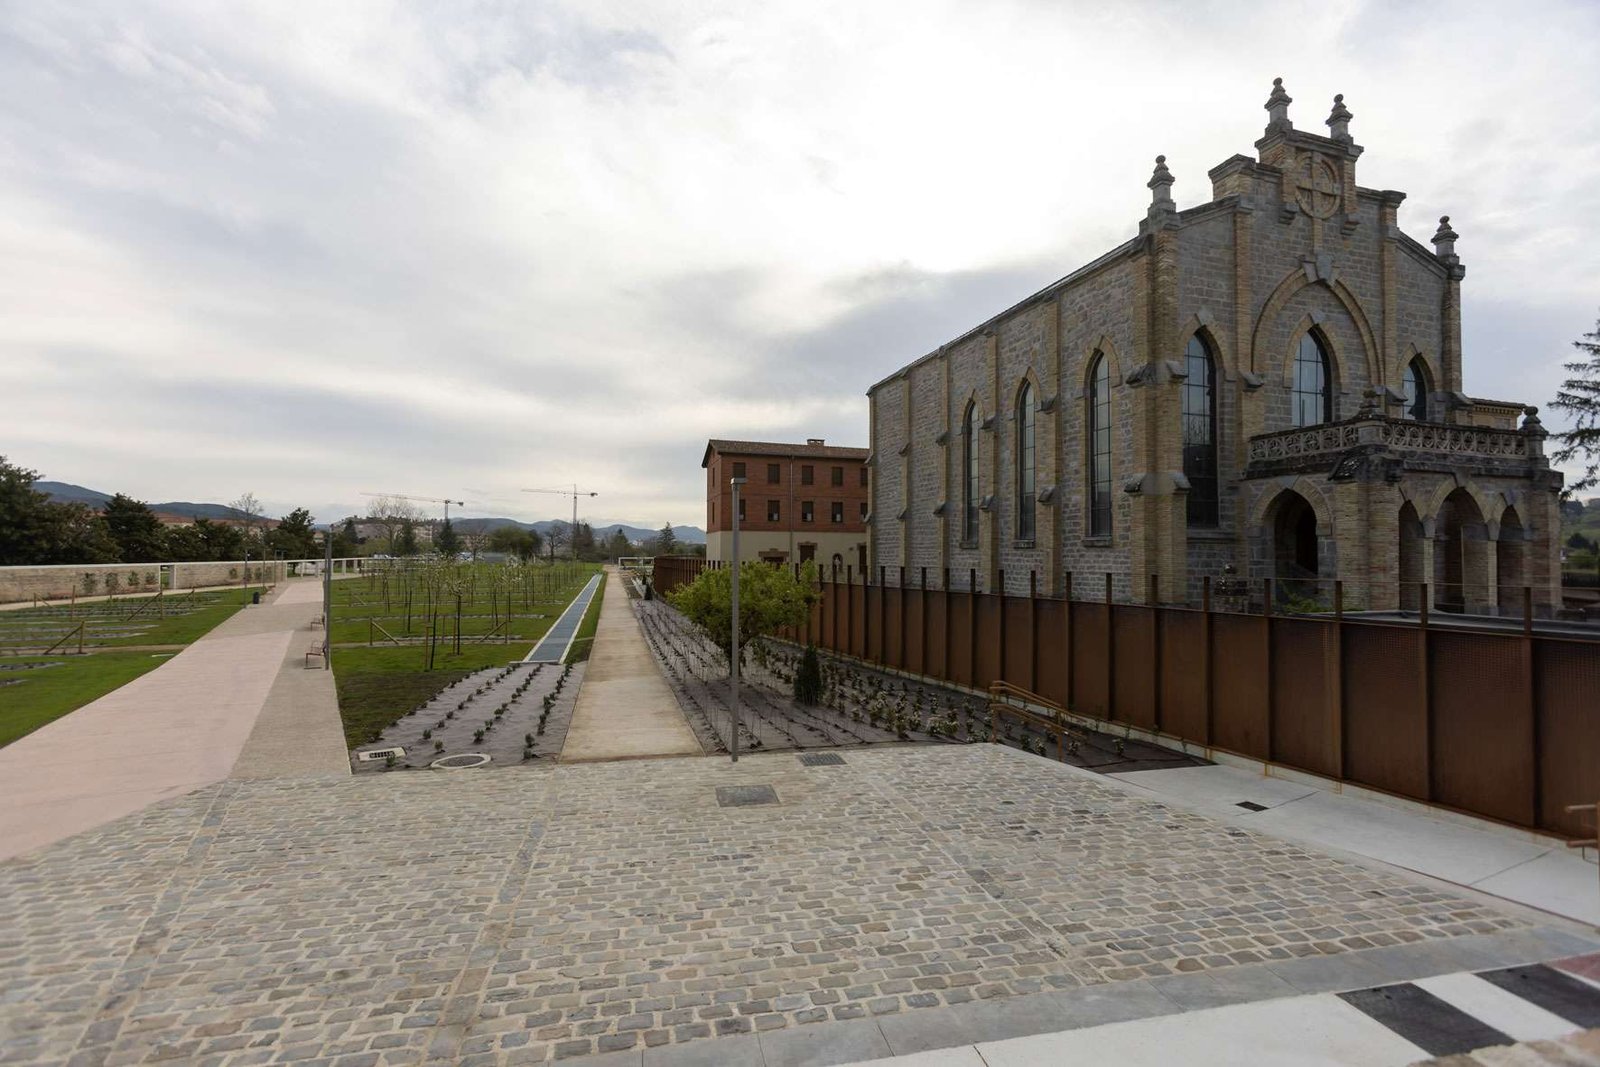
(496, 245)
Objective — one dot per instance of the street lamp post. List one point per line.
(734, 675)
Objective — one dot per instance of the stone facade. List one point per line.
(1343, 446)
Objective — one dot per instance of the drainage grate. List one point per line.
(1250, 805)
(463, 761)
(739, 796)
(821, 759)
(380, 754)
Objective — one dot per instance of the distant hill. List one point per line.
(67, 493)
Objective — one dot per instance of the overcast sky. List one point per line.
(458, 249)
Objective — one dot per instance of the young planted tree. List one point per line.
(770, 598)
(1579, 397)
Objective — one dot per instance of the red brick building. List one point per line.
(799, 502)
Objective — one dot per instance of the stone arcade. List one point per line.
(1272, 379)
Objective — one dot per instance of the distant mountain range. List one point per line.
(689, 535)
(65, 492)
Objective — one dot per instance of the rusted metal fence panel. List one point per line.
(1498, 724)
(1239, 679)
(1305, 712)
(1091, 658)
(1184, 666)
(1567, 675)
(1052, 645)
(1482, 745)
(1385, 709)
(1134, 653)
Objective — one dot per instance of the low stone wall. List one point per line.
(80, 580)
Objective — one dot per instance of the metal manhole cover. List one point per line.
(739, 796)
(461, 762)
(1250, 805)
(821, 759)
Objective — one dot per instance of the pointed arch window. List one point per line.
(969, 473)
(1025, 463)
(1414, 386)
(1312, 397)
(1099, 422)
(1200, 433)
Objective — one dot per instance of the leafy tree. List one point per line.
(222, 541)
(25, 518)
(1580, 542)
(295, 537)
(346, 539)
(1579, 397)
(406, 542)
(513, 540)
(134, 527)
(617, 545)
(447, 543)
(75, 534)
(770, 598)
(808, 679)
(666, 542)
(583, 546)
(393, 513)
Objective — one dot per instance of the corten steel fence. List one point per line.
(1498, 723)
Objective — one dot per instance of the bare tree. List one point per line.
(393, 513)
(474, 538)
(557, 536)
(250, 514)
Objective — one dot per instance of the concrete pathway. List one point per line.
(242, 688)
(1528, 868)
(625, 708)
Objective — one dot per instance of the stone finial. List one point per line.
(1339, 120)
(1444, 240)
(1160, 183)
(1530, 420)
(1277, 106)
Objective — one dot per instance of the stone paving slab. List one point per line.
(551, 912)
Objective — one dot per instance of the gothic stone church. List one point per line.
(1272, 380)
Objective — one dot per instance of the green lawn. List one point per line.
(31, 698)
(583, 640)
(179, 619)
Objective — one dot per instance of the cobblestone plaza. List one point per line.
(535, 913)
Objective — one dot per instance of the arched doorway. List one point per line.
(1461, 556)
(1511, 567)
(1295, 546)
(1412, 558)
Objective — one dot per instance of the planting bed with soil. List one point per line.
(513, 714)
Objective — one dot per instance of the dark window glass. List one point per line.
(807, 510)
(1200, 433)
(1311, 397)
(774, 511)
(738, 470)
(1025, 464)
(838, 511)
(741, 509)
(863, 511)
(838, 476)
(1415, 387)
(806, 474)
(863, 477)
(772, 474)
(1100, 448)
(969, 474)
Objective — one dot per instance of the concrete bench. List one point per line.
(320, 649)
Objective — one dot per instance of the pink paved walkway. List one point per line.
(177, 728)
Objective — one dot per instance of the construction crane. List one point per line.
(424, 499)
(574, 493)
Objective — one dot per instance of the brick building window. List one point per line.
(808, 511)
(1200, 433)
(1415, 387)
(741, 509)
(1312, 399)
(838, 476)
(1025, 464)
(969, 474)
(838, 511)
(774, 511)
(772, 474)
(863, 511)
(807, 474)
(1099, 423)
(738, 470)
(863, 470)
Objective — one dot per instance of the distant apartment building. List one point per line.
(798, 502)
